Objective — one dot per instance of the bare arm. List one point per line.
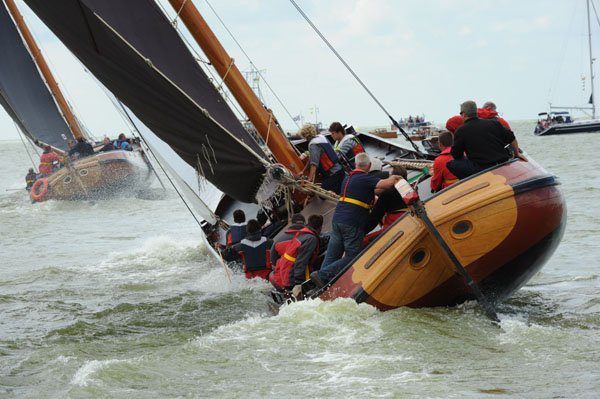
(384, 184)
(515, 146)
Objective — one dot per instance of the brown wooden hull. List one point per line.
(502, 224)
(101, 175)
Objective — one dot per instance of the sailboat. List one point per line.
(558, 120)
(492, 231)
(31, 96)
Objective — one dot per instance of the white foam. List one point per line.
(83, 375)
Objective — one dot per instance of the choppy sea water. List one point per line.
(119, 298)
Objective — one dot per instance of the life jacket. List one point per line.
(255, 257)
(485, 113)
(30, 178)
(328, 156)
(236, 233)
(288, 250)
(46, 161)
(355, 195)
(348, 156)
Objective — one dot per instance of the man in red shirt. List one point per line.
(442, 177)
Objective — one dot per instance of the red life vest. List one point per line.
(288, 250)
(46, 162)
(328, 157)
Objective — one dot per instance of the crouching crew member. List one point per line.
(30, 178)
(322, 159)
(346, 146)
(237, 230)
(296, 256)
(47, 161)
(254, 251)
(442, 177)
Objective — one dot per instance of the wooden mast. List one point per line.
(262, 119)
(38, 58)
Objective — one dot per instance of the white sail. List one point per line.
(202, 197)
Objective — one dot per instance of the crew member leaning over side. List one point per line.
(297, 255)
(388, 208)
(351, 213)
(30, 178)
(442, 177)
(254, 251)
(346, 146)
(322, 159)
(482, 140)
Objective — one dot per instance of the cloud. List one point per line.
(523, 25)
(465, 31)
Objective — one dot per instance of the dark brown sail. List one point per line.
(23, 93)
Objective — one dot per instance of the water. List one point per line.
(119, 299)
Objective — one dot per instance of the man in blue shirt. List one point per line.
(351, 214)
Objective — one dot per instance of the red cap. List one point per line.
(454, 123)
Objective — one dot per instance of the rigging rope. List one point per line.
(25, 146)
(595, 12)
(252, 63)
(161, 167)
(318, 32)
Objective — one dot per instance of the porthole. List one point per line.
(67, 179)
(83, 172)
(419, 258)
(462, 229)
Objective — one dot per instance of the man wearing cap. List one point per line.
(482, 140)
(351, 213)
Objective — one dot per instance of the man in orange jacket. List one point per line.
(47, 160)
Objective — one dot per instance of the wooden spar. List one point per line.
(262, 119)
(44, 69)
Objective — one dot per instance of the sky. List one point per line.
(417, 57)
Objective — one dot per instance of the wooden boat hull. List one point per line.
(574, 127)
(502, 224)
(101, 175)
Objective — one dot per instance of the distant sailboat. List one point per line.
(30, 95)
(501, 225)
(560, 122)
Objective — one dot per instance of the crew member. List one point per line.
(237, 230)
(82, 147)
(47, 160)
(297, 255)
(482, 140)
(254, 252)
(108, 146)
(322, 159)
(489, 112)
(388, 208)
(349, 218)
(346, 145)
(30, 178)
(298, 223)
(442, 177)
(121, 143)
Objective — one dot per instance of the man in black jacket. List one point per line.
(483, 141)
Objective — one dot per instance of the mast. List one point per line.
(39, 60)
(262, 119)
(591, 60)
